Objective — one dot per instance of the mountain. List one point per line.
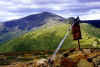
(95, 23)
(15, 28)
(44, 31)
(48, 38)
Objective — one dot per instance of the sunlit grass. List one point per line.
(48, 38)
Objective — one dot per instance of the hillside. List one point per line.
(48, 38)
(14, 28)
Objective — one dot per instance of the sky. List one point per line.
(14, 9)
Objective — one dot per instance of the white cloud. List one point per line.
(19, 6)
(91, 15)
(92, 4)
(63, 7)
(3, 3)
(59, 6)
(5, 15)
(23, 1)
(37, 6)
(13, 17)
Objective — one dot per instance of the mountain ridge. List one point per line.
(15, 28)
(20, 26)
(95, 23)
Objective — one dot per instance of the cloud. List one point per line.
(23, 1)
(91, 15)
(3, 3)
(4, 15)
(85, 1)
(20, 8)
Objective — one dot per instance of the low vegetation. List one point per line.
(48, 38)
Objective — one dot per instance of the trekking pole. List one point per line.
(51, 60)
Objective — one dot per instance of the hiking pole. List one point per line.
(51, 60)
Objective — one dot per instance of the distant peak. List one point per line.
(46, 13)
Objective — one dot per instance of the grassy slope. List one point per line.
(48, 38)
(91, 36)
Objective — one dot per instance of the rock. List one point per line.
(84, 63)
(87, 51)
